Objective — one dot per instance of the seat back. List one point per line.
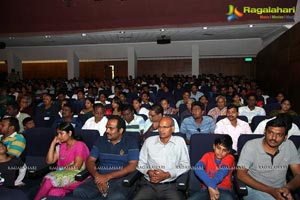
(245, 138)
(89, 137)
(38, 141)
(256, 120)
(296, 140)
(136, 136)
(296, 120)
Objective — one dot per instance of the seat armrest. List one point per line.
(131, 178)
(240, 187)
(182, 181)
(82, 175)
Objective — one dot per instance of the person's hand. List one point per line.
(102, 187)
(158, 176)
(55, 141)
(214, 194)
(281, 193)
(101, 178)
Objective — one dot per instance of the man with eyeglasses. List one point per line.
(197, 123)
(163, 158)
(117, 156)
(264, 162)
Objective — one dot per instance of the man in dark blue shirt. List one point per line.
(118, 156)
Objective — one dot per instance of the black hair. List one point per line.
(66, 126)
(69, 106)
(121, 123)
(128, 107)
(282, 120)
(91, 100)
(14, 105)
(158, 109)
(118, 101)
(137, 99)
(232, 106)
(198, 103)
(224, 140)
(26, 120)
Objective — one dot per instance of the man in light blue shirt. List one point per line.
(197, 123)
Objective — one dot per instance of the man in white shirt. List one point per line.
(294, 130)
(134, 123)
(162, 160)
(232, 126)
(251, 110)
(98, 122)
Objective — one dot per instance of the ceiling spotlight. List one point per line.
(83, 34)
(205, 27)
(251, 25)
(47, 36)
(11, 38)
(162, 29)
(122, 32)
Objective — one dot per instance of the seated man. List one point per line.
(163, 159)
(233, 126)
(134, 123)
(197, 123)
(220, 109)
(251, 109)
(263, 162)
(98, 122)
(215, 170)
(118, 156)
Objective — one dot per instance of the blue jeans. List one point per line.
(116, 191)
(256, 194)
(204, 195)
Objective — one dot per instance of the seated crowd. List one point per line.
(163, 114)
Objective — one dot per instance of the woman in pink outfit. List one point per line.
(70, 155)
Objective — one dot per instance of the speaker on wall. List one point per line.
(163, 39)
(2, 45)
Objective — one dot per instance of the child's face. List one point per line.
(30, 124)
(220, 151)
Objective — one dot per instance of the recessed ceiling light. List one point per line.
(162, 29)
(83, 34)
(11, 38)
(205, 27)
(251, 25)
(47, 36)
(122, 32)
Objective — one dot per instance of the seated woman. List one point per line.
(70, 155)
(168, 110)
(236, 100)
(137, 105)
(116, 105)
(87, 112)
(9, 167)
(285, 106)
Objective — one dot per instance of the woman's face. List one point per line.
(63, 136)
(236, 99)
(114, 104)
(286, 105)
(88, 104)
(164, 104)
(136, 104)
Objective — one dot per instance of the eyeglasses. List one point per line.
(111, 128)
(164, 127)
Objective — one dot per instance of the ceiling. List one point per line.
(266, 32)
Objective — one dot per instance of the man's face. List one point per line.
(153, 116)
(164, 104)
(47, 100)
(197, 112)
(274, 136)
(165, 128)
(98, 113)
(194, 89)
(251, 101)
(66, 112)
(186, 96)
(29, 124)
(128, 115)
(11, 111)
(232, 114)
(113, 134)
(4, 127)
(221, 103)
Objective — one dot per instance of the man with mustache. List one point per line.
(264, 162)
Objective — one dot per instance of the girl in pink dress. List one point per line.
(70, 155)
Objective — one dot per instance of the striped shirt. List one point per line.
(136, 125)
(15, 144)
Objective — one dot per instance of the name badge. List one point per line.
(47, 118)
